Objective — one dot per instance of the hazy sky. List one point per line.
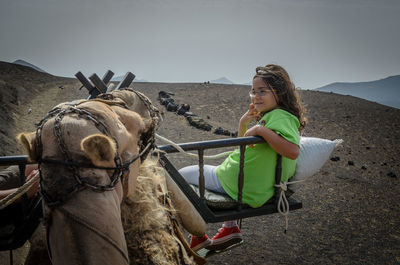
(317, 41)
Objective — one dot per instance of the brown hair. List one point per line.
(286, 93)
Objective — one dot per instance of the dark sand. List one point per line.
(350, 213)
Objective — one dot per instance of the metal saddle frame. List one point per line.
(212, 215)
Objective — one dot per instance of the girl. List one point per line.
(276, 106)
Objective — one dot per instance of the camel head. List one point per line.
(89, 156)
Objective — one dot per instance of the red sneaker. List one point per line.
(225, 238)
(199, 242)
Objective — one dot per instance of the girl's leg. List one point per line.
(211, 182)
(191, 175)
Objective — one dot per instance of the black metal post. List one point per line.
(201, 173)
(98, 83)
(93, 91)
(107, 77)
(126, 81)
(241, 176)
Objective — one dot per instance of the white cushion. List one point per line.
(314, 152)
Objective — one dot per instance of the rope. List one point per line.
(283, 203)
(19, 192)
(177, 147)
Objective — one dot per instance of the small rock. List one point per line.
(163, 94)
(183, 108)
(192, 118)
(336, 158)
(351, 163)
(166, 101)
(172, 106)
(188, 113)
(222, 131)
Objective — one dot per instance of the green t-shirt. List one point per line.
(260, 162)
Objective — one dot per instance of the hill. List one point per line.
(384, 91)
(19, 85)
(350, 209)
(24, 63)
(222, 80)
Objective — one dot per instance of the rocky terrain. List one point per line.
(351, 209)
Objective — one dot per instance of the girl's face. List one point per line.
(262, 96)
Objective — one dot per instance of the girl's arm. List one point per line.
(277, 142)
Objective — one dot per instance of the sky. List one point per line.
(317, 41)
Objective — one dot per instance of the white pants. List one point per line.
(211, 182)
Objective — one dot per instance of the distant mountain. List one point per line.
(24, 63)
(119, 79)
(222, 80)
(384, 91)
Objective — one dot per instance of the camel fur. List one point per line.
(154, 237)
(72, 225)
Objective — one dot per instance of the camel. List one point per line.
(104, 203)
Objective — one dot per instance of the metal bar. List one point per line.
(22, 168)
(213, 144)
(278, 176)
(107, 77)
(201, 173)
(98, 83)
(93, 91)
(85, 82)
(126, 81)
(13, 160)
(241, 176)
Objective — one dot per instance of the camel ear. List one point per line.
(28, 141)
(100, 149)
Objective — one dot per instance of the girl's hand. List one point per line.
(254, 131)
(250, 115)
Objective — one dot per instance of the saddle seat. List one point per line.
(218, 201)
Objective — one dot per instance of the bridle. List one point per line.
(146, 144)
